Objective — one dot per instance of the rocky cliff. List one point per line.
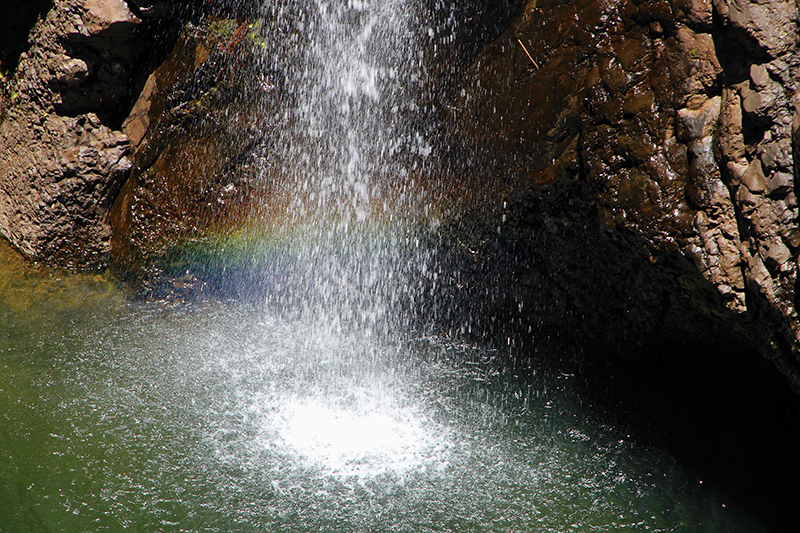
(62, 162)
(667, 125)
(614, 181)
(635, 160)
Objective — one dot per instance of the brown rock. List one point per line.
(694, 12)
(780, 185)
(759, 76)
(138, 121)
(757, 272)
(699, 123)
(775, 255)
(796, 133)
(771, 24)
(700, 64)
(751, 101)
(729, 136)
(102, 15)
(192, 172)
(639, 100)
(62, 160)
(753, 178)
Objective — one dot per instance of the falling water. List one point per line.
(347, 157)
(315, 412)
(353, 70)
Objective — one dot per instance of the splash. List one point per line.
(363, 440)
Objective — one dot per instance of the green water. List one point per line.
(125, 416)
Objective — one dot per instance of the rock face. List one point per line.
(67, 86)
(675, 118)
(635, 159)
(615, 180)
(62, 161)
(194, 133)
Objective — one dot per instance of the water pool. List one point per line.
(120, 415)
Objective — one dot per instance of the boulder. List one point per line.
(64, 158)
(196, 132)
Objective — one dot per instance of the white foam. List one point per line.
(364, 439)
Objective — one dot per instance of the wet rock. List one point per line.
(701, 121)
(699, 62)
(773, 25)
(682, 118)
(195, 131)
(138, 121)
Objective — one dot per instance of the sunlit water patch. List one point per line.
(364, 440)
(139, 417)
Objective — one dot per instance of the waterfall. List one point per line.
(353, 73)
(320, 411)
(345, 162)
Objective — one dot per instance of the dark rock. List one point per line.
(195, 131)
(16, 21)
(682, 124)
